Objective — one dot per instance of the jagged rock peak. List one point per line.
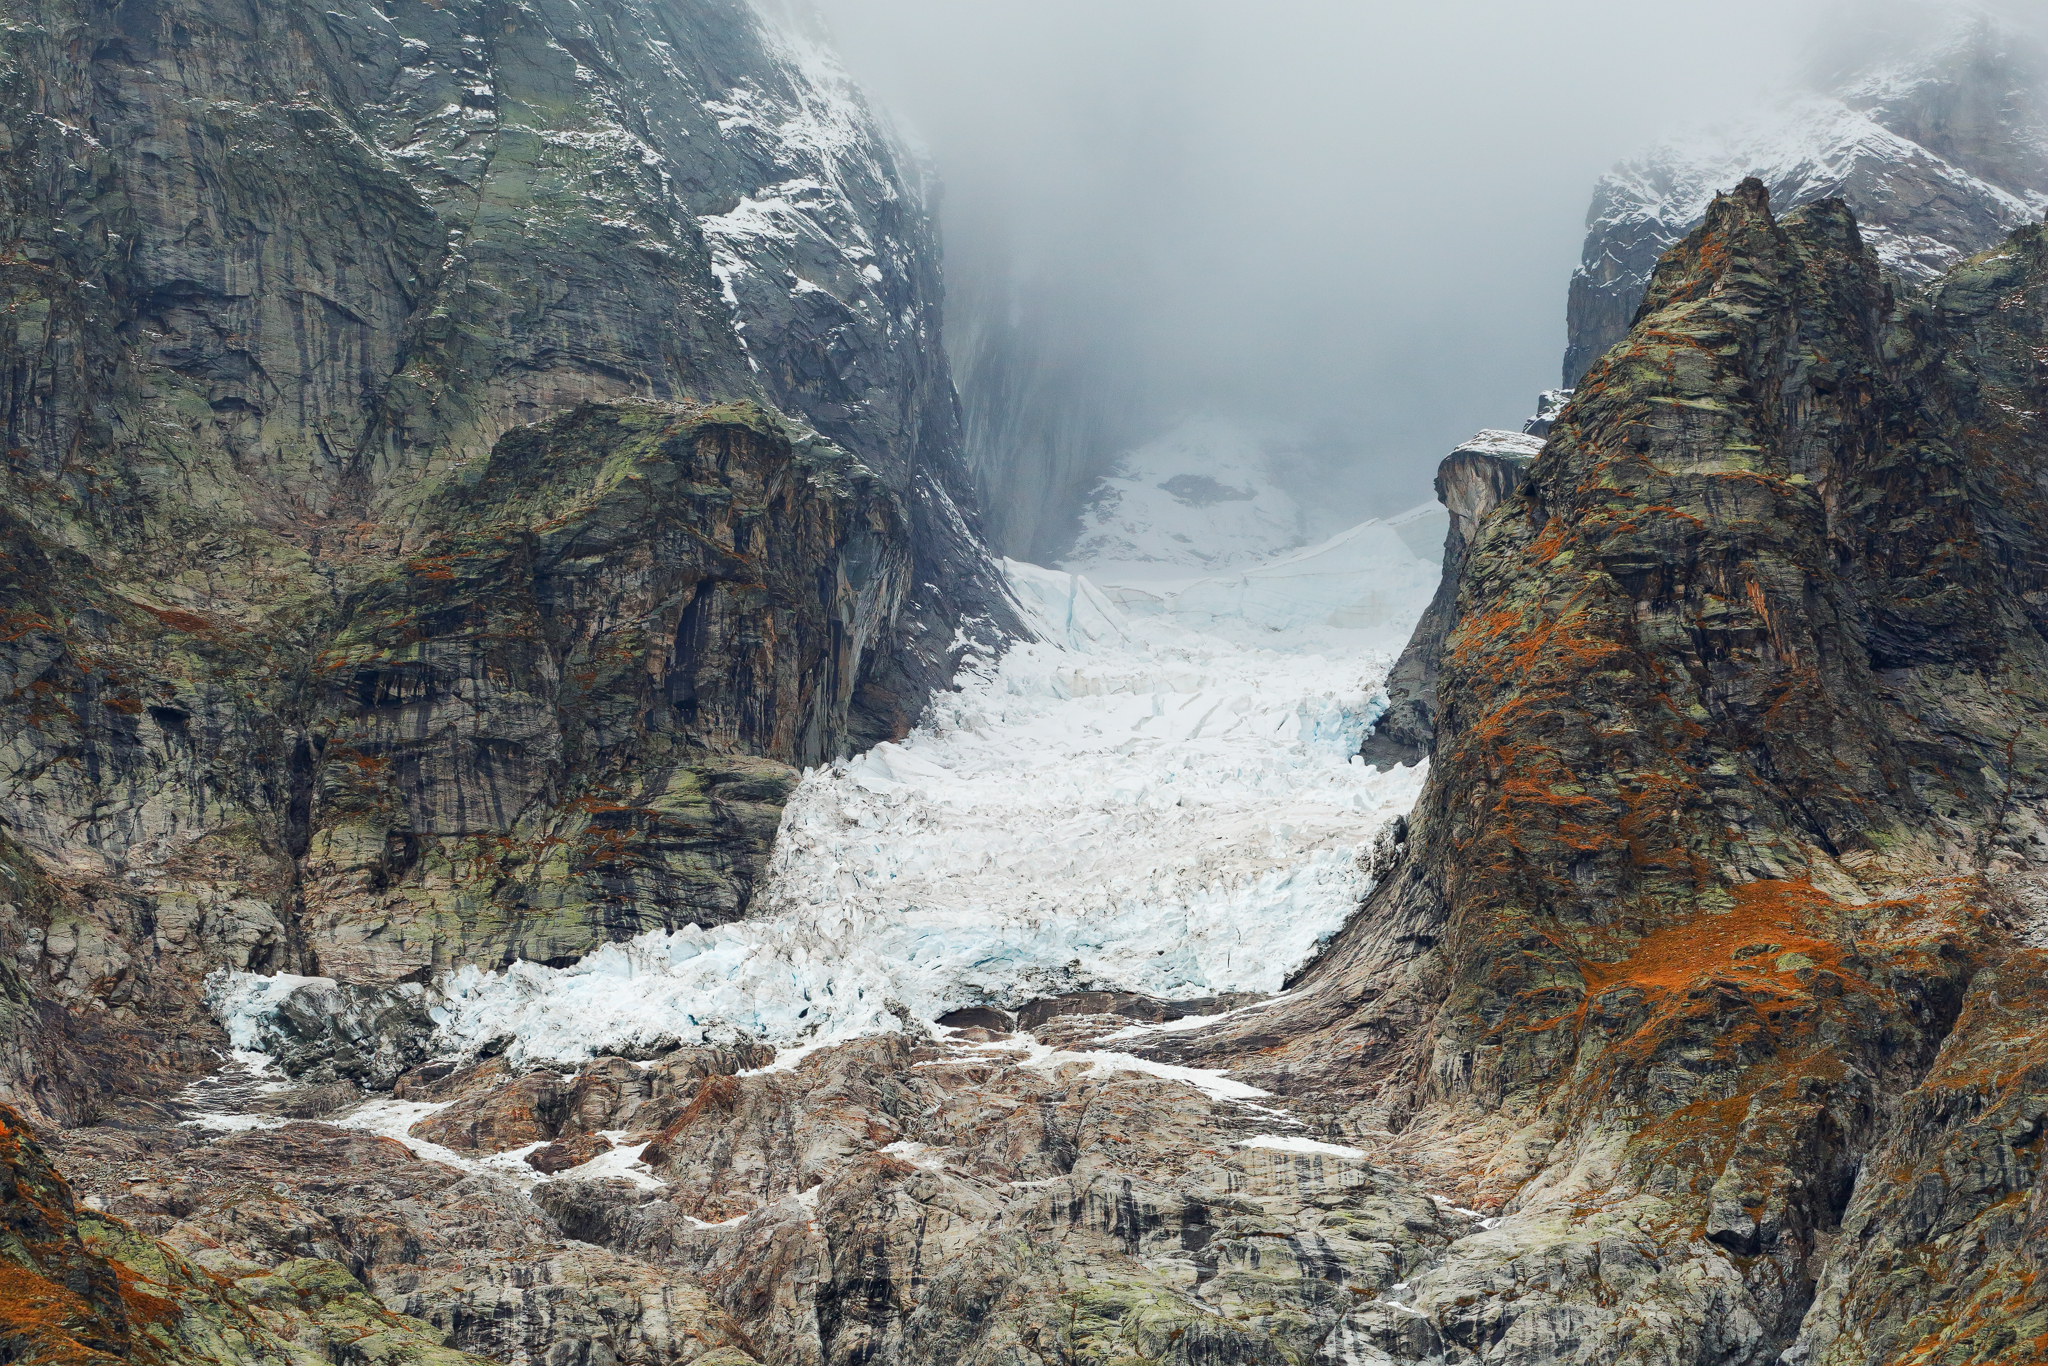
(1471, 482)
(1935, 131)
(1549, 405)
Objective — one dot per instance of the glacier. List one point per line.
(1126, 803)
(1374, 577)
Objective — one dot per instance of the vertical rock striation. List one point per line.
(459, 464)
(1471, 482)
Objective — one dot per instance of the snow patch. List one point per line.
(1292, 1143)
(621, 1161)
(1517, 445)
(1211, 1082)
(234, 1124)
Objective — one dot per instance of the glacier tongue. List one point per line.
(1129, 804)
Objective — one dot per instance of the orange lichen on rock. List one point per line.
(41, 1321)
(1774, 936)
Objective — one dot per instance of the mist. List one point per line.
(1348, 225)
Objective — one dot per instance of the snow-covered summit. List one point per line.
(1937, 138)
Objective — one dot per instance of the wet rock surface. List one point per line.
(327, 1032)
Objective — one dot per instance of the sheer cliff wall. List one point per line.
(460, 463)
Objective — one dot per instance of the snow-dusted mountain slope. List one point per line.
(1939, 143)
(1127, 804)
(1202, 497)
(827, 258)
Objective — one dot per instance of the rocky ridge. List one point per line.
(1471, 482)
(1938, 142)
(1694, 1018)
(1712, 937)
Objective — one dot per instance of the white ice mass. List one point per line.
(1374, 577)
(1200, 498)
(1125, 804)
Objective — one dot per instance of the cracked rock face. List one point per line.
(1703, 963)
(461, 463)
(898, 1199)
(1471, 482)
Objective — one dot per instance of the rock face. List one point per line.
(461, 463)
(1471, 482)
(707, 601)
(896, 1199)
(1549, 408)
(83, 1289)
(1711, 960)
(1938, 142)
(329, 1031)
(458, 465)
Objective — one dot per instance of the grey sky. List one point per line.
(1357, 219)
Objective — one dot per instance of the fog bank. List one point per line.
(1348, 226)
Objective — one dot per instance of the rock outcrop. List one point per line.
(1471, 482)
(1708, 964)
(895, 1199)
(459, 465)
(82, 1288)
(1937, 140)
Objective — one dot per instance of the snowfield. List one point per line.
(1200, 498)
(1367, 579)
